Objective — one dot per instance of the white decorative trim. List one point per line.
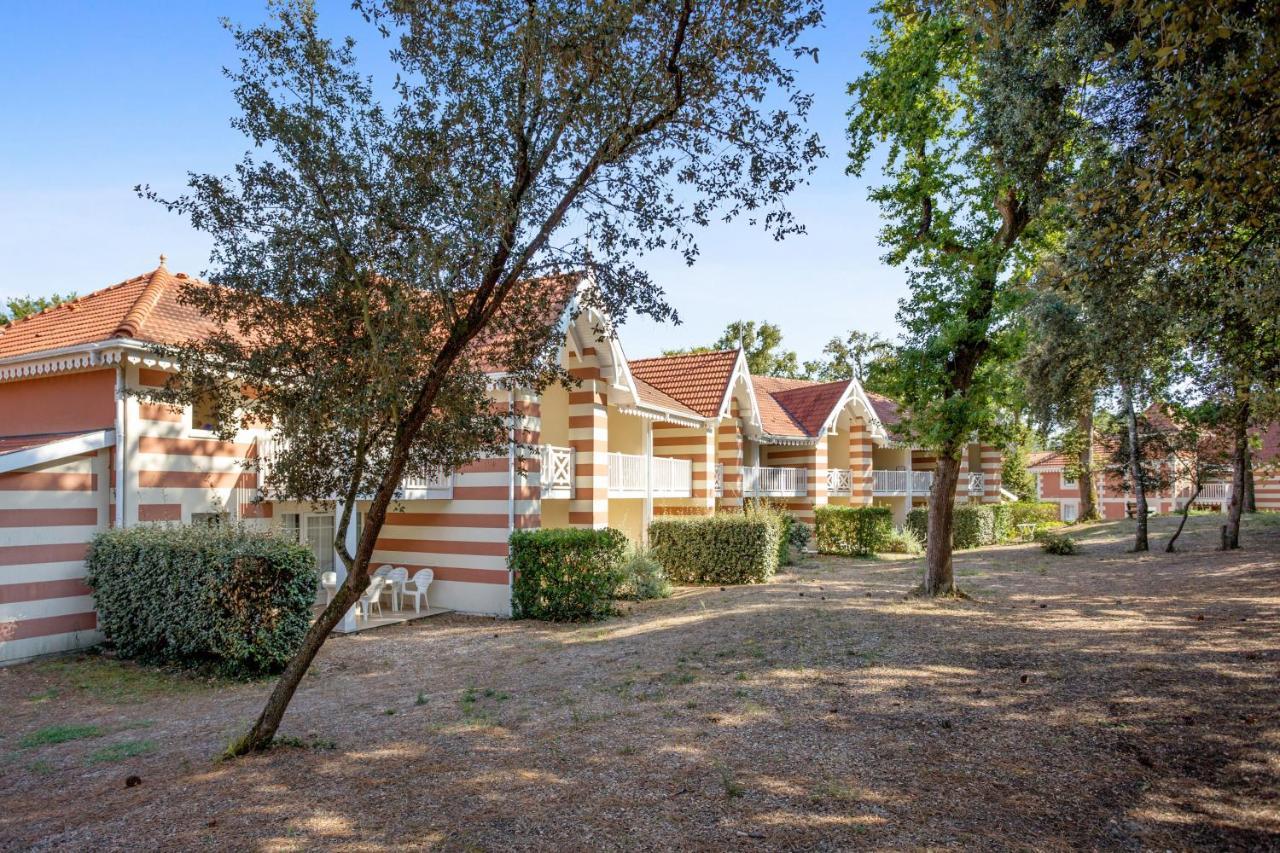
(54, 450)
(656, 413)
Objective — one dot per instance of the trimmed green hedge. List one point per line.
(729, 548)
(565, 575)
(917, 521)
(213, 596)
(974, 525)
(1002, 518)
(1031, 512)
(853, 530)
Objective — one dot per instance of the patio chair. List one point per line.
(417, 588)
(396, 579)
(381, 571)
(329, 581)
(371, 597)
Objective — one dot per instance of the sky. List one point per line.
(96, 98)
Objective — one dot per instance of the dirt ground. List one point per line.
(1106, 700)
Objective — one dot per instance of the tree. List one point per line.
(1197, 453)
(859, 355)
(981, 107)
(386, 256)
(1014, 473)
(760, 342)
(20, 307)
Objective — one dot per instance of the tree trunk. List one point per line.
(1250, 497)
(939, 579)
(1135, 472)
(1186, 510)
(1088, 485)
(1239, 465)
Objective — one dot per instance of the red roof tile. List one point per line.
(653, 397)
(796, 407)
(697, 380)
(144, 308)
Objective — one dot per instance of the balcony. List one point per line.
(839, 481)
(768, 482)
(634, 476)
(421, 484)
(1212, 493)
(719, 479)
(556, 474)
(890, 483)
(977, 483)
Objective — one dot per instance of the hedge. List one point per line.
(917, 521)
(729, 548)
(211, 596)
(1003, 526)
(565, 575)
(1031, 512)
(974, 525)
(853, 530)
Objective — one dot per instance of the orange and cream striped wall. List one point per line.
(813, 458)
(698, 446)
(48, 515)
(730, 454)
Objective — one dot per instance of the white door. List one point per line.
(319, 538)
(1069, 512)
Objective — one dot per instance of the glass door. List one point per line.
(319, 538)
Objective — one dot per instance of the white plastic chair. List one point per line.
(396, 579)
(371, 597)
(417, 588)
(381, 571)
(329, 580)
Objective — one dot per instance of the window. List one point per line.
(204, 414)
(290, 527)
(212, 519)
(1068, 512)
(1068, 482)
(319, 532)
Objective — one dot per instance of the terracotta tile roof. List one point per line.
(796, 407)
(697, 380)
(653, 397)
(145, 308)
(886, 410)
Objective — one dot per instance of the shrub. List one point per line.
(1031, 512)
(1002, 525)
(974, 526)
(781, 518)
(801, 535)
(852, 530)
(565, 575)
(729, 548)
(902, 541)
(1059, 543)
(917, 522)
(643, 578)
(222, 597)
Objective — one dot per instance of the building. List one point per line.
(632, 440)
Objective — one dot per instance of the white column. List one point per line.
(647, 515)
(348, 623)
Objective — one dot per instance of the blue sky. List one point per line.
(98, 97)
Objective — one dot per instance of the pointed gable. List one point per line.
(696, 380)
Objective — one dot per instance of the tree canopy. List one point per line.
(18, 307)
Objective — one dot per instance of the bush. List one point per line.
(1002, 525)
(211, 596)
(565, 575)
(643, 578)
(801, 535)
(1031, 512)
(902, 541)
(852, 530)
(1059, 543)
(787, 525)
(729, 548)
(917, 522)
(974, 526)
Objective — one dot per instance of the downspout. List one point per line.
(511, 484)
(122, 444)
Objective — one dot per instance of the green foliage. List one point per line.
(859, 355)
(643, 578)
(800, 535)
(223, 597)
(1001, 522)
(761, 343)
(566, 575)
(902, 541)
(58, 734)
(120, 751)
(1059, 543)
(917, 522)
(852, 530)
(727, 548)
(974, 526)
(24, 306)
(1014, 475)
(1031, 512)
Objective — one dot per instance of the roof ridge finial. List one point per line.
(163, 258)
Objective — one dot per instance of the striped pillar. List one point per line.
(991, 464)
(729, 451)
(589, 438)
(962, 481)
(698, 445)
(528, 459)
(860, 456)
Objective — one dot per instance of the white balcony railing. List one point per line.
(758, 481)
(1211, 493)
(921, 482)
(890, 482)
(632, 476)
(719, 479)
(839, 481)
(556, 471)
(977, 483)
(421, 484)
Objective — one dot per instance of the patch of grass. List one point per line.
(421, 698)
(832, 790)
(120, 751)
(732, 789)
(121, 681)
(58, 734)
(43, 695)
(40, 766)
(295, 742)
